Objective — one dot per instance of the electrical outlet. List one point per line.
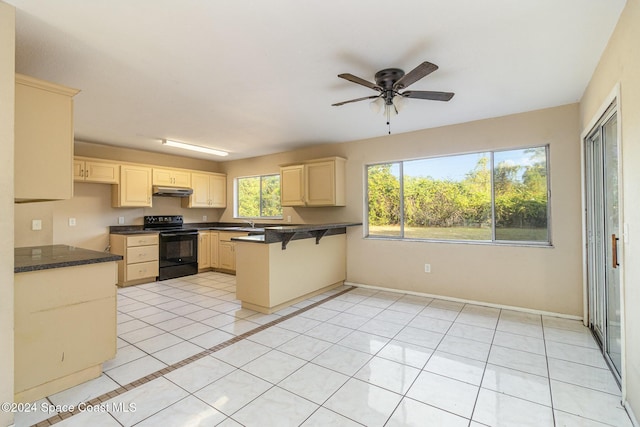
(427, 268)
(36, 224)
(204, 217)
(72, 222)
(120, 220)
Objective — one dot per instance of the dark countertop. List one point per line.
(57, 256)
(310, 227)
(284, 234)
(138, 229)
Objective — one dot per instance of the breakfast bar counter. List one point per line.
(290, 263)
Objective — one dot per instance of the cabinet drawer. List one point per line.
(142, 240)
(142, 254)
(142, 270)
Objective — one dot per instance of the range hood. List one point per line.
(159, 190)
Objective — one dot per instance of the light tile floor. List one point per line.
(365, 357)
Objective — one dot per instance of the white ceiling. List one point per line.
(259, 77)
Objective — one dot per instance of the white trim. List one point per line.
(614, 95)
(467, 301)
(632, 416)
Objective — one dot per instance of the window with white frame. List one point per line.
(258, 197)
(492, 196)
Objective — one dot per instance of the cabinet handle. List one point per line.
(82, 173)
(614, 251)
(86, 173)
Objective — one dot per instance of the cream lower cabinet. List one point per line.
(43, 140)
(140, 252)
(209, 191)
(171, 177)
(214, 248)
(204, 250)
(227, 250)
(97, 171)
(226, 256)
(65, 327)
(134, 189)
(319, 182)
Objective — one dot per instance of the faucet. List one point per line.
(251, 223)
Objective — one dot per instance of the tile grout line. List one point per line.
(161, 372)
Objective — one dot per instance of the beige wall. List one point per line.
(91, 204)
(548, 279)
(7, 87)
(620, 63)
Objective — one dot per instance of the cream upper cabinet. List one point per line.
(209, 191)
(318, 182)
(292, 185)
(171, 177)
(43, 140)
(89, 170)
(134, 189)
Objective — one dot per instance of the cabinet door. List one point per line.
(78, 170)
(135, 186)
(200, 197)
(226, 256)
(106, 173)
(181, 178)
(162, 177)
(292, 185)
(43, 140)
(171, 177)
(214, 249)
(204, 250)
(218, 188)
(320, 183)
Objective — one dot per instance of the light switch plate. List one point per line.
(72, 222)
(36, 224)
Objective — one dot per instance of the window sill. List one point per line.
(464, 242)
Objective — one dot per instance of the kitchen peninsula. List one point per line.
(289, 263)
(65, 317)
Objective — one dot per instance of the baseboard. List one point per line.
(467, 301)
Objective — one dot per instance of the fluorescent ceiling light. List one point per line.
(197, 148)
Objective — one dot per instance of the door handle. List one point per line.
(614, 251)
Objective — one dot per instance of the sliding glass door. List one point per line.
(603, 222)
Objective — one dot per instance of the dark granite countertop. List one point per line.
(310, 227)
(57, 256)
(138, 229)
(284, 234)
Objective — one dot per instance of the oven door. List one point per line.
(178, 253)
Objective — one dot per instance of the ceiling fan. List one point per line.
(389, 83)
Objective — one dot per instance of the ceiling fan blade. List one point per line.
(354, 100)
(358, 80)
(414, 75)
(426, 94)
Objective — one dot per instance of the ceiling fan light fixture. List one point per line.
(185, 146)
(398, 103)
(376, 105)
(389, 83)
